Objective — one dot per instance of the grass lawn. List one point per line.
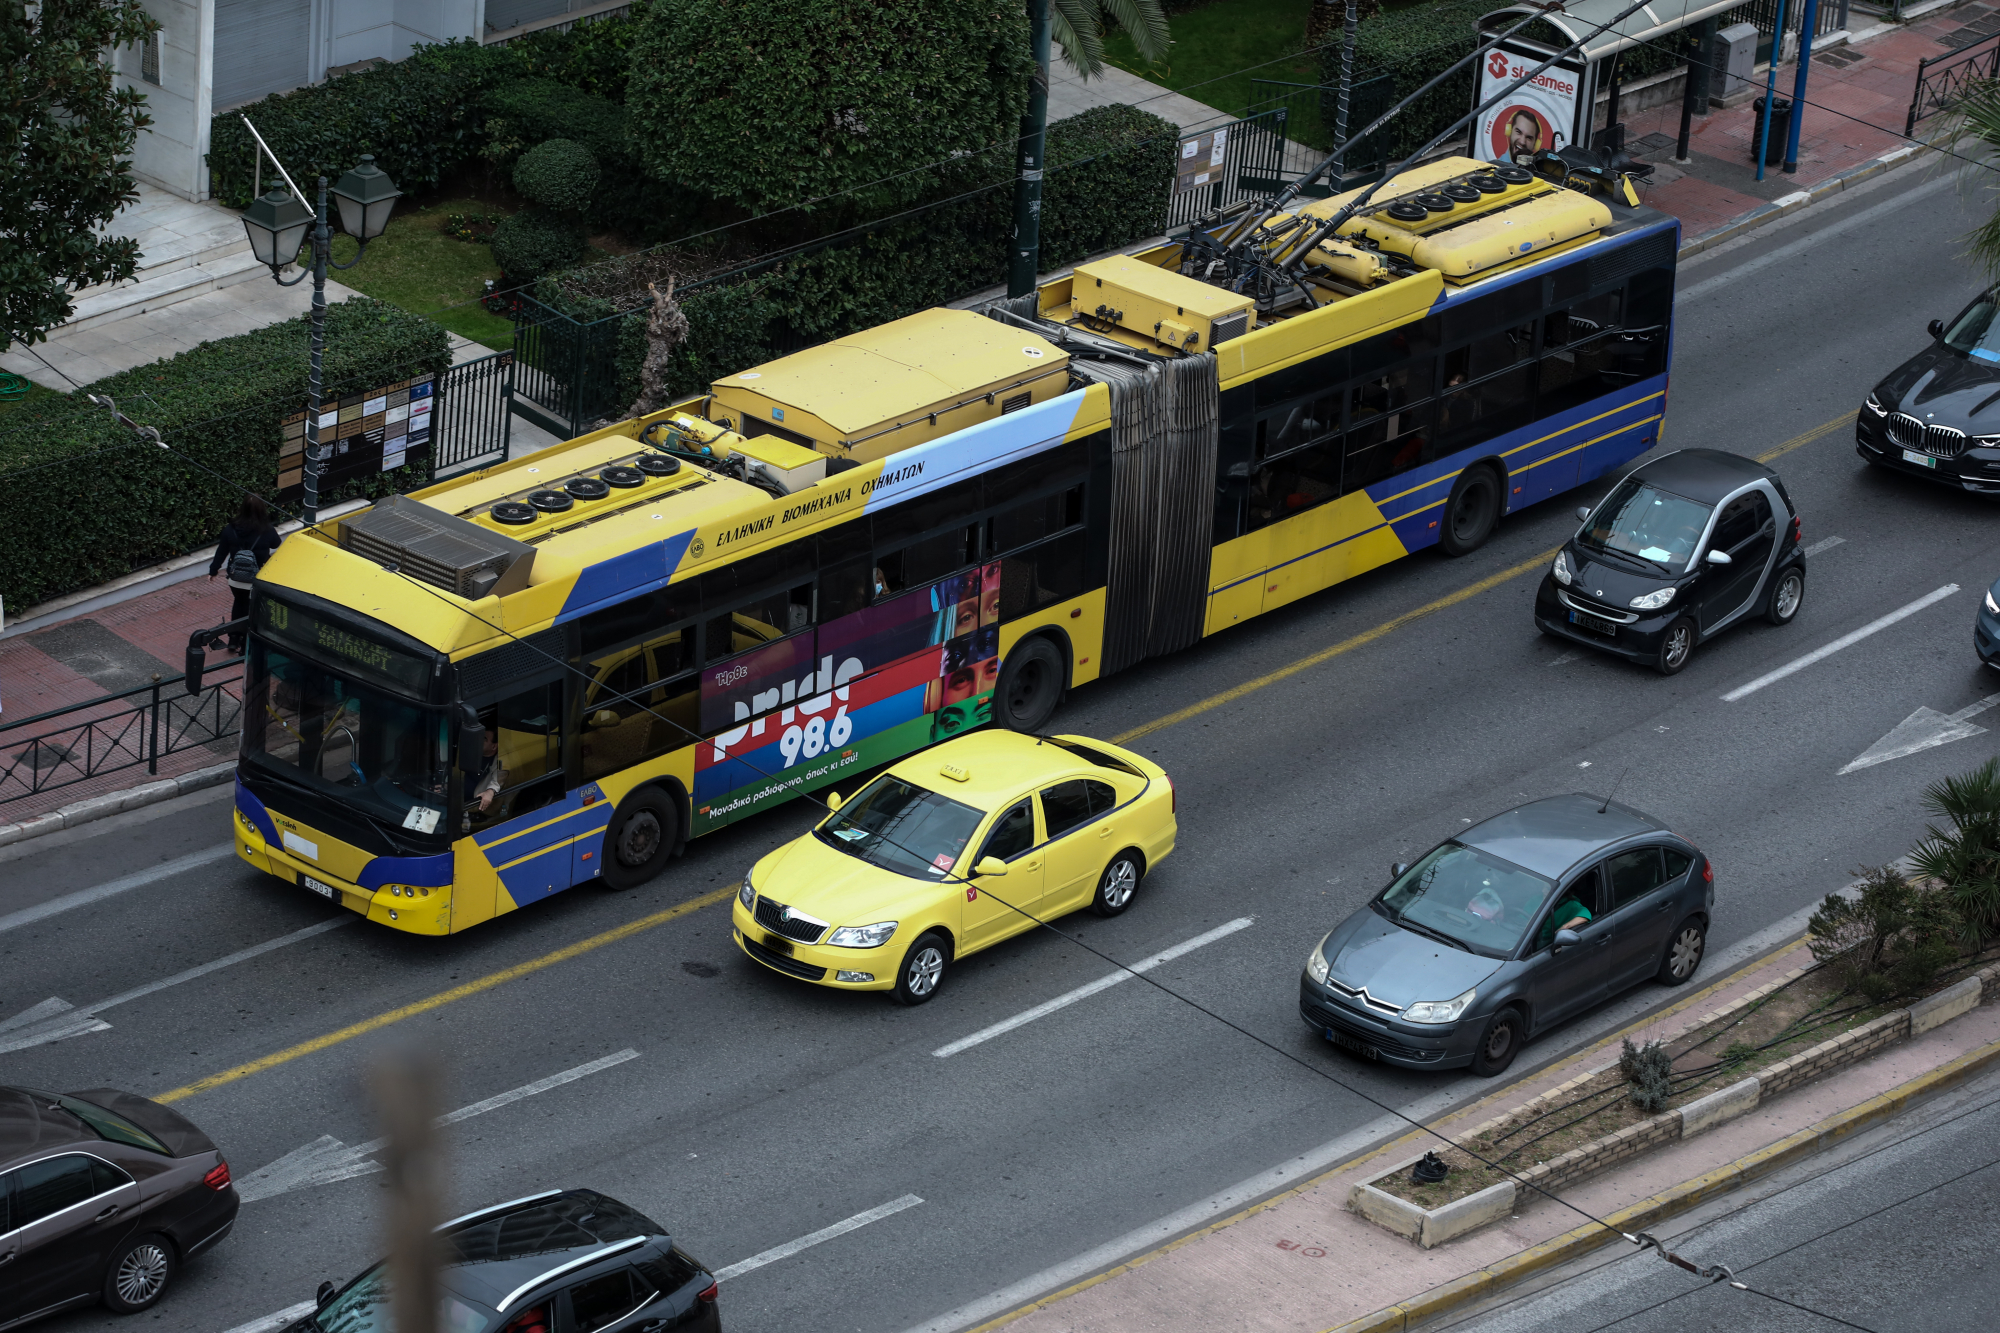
(418, 267)
(11, 397)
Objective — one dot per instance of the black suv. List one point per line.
(1938, 415)
(103, 1196)
(568, 1261)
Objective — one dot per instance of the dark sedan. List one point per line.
(103, 1196)
(567, 1261)
(1685, 546)
(1516, 925)
(1937, 416)
(1986, 627)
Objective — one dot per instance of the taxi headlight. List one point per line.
(1652, 601)
(747, 895)
(1316, 965)
(863, 937)
(1561, 571)
(1439, 1011)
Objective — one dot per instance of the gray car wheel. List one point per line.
(1499, 1042)
(1786, 596)
(1117, 884)
(139, 1274)
(922, 972)
(1684, 952)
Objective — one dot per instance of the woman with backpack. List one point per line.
(241, 549)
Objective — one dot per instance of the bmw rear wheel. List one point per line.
(923, 969)
(138, 1274)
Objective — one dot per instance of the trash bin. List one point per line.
(1781, 128)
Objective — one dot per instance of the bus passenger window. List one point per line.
(846, 588)
(629, 716)
(888, 576)
(1032, 520)
(524, 773)
(1494, 405)
(934, 557)
(1294, 483)
(1041, 575)
(1380, 445)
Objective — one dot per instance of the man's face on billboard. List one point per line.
(1524, 135)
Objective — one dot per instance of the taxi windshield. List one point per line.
(1640, 521)
(1467, 897)
(902, 827)
(1974, 332)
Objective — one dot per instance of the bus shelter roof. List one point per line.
(1580, 19)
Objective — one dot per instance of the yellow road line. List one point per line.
(1388, 627)
(442, 998)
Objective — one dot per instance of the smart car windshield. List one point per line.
(1974, 331)
(1468, 897)
(1642, 521)
(902, 827)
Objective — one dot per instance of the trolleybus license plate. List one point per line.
(1355, 1044)
(1921, 460)
(1595, 624)
(323, 890)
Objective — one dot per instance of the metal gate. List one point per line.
(1249, 162)
(473, 421)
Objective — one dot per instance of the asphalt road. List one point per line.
(756, 1111)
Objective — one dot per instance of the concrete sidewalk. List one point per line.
(1302, 1263)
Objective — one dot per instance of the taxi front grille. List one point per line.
(782, 920)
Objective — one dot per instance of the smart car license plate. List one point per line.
(323, 890)
(1355, 1044)
(1921, 460)
(1595, 624)
(778, 944)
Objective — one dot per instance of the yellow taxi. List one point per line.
(951, 851)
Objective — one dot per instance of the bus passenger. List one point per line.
(491, 776)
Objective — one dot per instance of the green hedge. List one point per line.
(1111, 170)
(219, 408)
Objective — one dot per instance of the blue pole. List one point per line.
(1770, 88)
(1799, 86)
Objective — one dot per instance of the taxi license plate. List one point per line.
(323, 890)
(1921, 460)
(1595, 624)
(1355, 1044)
(778, 944)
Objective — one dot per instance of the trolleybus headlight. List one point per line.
(863, 937)
(1652, 601)
(1561, 571)
(747, 895)
(1873, 406)
(1316, 966)
(1439, 1011)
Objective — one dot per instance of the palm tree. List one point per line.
(1965, 858)
(1076, 27)
(1975, 123)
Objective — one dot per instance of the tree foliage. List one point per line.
(558, 174)
(1076, 28)
(1975, 125)
(1964, 856)
(765, 104)
(69, 132)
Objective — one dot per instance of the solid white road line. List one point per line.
(1865, 218)
(27, 916)
(277, 1320)
(792, 1247)
(1331, 1154)
(1825, 544)
(1084, 992)
(540, 1085)
(1844, 641)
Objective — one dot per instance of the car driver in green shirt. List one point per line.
(1569, 914)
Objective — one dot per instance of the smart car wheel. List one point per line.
(139, 1273)
(923, 969)
(1786, 595)
(639, 840)
(1684, 952)
(1118, 883)
(1499, 1043)
(1472, 512)
(1676, 647)
(1031, 685)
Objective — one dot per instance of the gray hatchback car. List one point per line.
(1509, 929)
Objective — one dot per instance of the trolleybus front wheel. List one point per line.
(640, 838)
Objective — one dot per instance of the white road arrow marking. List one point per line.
(1925, 729)
(54, 1019)
(326, 1159)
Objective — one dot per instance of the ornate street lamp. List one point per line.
(277, 224)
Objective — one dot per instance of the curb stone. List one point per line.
(1453, 1295)
(116, 803)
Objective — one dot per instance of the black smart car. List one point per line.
(567, 1261)
(1938, 415)
(1512, 927)
(103, 1196)
(1684, 547)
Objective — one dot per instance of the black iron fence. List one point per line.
(1831, 16)
(565, 366)
(131, 729)
(1311, 112)
(1240, 160)
(1942, 80)
(473, 415)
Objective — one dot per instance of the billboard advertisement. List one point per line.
(1540, 115)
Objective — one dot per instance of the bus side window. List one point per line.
(934, 557)
(1041, 575)
(759, 621)
(1294, 483)
(529, 731)
(650, 719)
(1580, 351)
(1028, 523)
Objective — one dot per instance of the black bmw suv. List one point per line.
(1938, 415)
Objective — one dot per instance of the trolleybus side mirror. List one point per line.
(471, 739)
(1937, 328)
(990, 866)
(1719, 558)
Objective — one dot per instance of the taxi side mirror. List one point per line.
(1719, 558)
(1565, 938)
(990, 867)
(833, 801)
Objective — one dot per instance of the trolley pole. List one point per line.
(1025, 260)
(1806, 22)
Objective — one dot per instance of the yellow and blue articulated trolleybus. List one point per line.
(557, 670)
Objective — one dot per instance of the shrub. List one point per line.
(527, 112)
(595, 57)
(767, 103)
(1412, 46)
(1649, 1070)
(558, 174)
(1965, 857)
(1891, 938)
(1111, 170)
(82, 502)
(535, 242)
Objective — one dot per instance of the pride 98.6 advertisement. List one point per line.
(1539, 115)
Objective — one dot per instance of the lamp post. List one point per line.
(277, 224)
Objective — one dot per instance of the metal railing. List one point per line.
(473, 423)
(1831, 16)
(1941, 80)
(1311, 113)
(129, 729)
(1253, 165)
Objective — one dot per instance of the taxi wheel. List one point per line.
(1118, 883)
(1031, 685)
(922, 972)
(640, 839)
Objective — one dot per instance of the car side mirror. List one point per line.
(471, 739)
(1719, 558)
(990, 867)
(833, 801)
(1397, 870)
(327, 1291)
(1936, 327)
(1583, 513)
(1565, 938)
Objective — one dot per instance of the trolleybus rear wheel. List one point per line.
(1472, 512)
(640, 839)
(1030, 686)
